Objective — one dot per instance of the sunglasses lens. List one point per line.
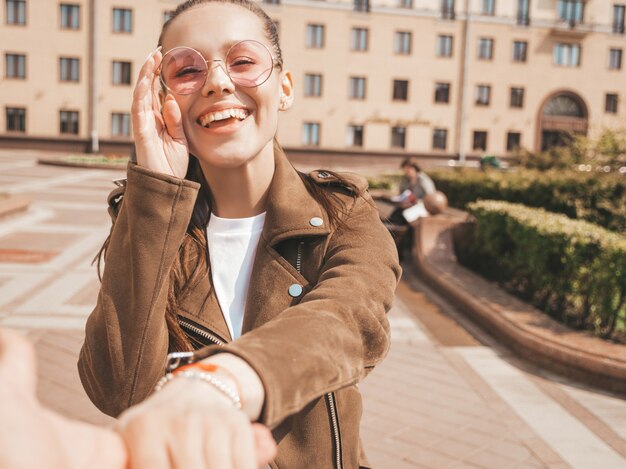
(183, 70)
(249, 63)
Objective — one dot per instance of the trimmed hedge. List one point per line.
(599, 199)
(571, 269)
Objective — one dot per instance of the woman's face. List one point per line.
(210, 29)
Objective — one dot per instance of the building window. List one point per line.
(513, 141)
(406, 4)
(520, 49)
(315, 36)
(15, 66)
(277, 26)
(120, 124)
(615, 59)
(122, 20)
(488, 7)
(357, 88)
(485, 48)
(312, 85)
(483, 95)
(523, 12)
(567, 55)
(611, 103)
(398, 137)
(442, 92)
(272, 2)
(16, 119)
(359, 39)
(69, 122)
(571, 11)
(311, 133)
(355, 136)
(362, 5)
(444, 46)
(447, 9)
(619, 11)
(70, 16)
(167, 14)
(16, 12)
(517, 97)
(440, 139)
(121, 73)
(480, 140)
(402, 42)
(68, 68)
(400, 90)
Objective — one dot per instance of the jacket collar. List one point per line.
(290, 206)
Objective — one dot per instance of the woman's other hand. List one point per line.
(160, 141)
(190, 424)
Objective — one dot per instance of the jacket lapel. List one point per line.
(292, 212)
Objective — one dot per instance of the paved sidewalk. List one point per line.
(446, 396)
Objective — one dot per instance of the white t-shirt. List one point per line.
(232, 244)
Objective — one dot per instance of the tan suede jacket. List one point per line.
(310, 349)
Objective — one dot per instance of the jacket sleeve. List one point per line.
(126, 338)
(338, 331)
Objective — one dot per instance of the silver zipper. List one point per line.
(329, 397)
(201, 332)
(330, 400)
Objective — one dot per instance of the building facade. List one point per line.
(426, 77)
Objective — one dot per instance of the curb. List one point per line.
(529, 333)
(13, 204)
(57, 162)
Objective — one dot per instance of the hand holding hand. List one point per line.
(160, 141)
(190, 424)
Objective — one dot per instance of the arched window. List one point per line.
(564, 105)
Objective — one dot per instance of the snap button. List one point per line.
(295, 290)
(316, 221)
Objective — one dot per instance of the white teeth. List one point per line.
(223, 114)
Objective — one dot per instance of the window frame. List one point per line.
(611, 103)
(490, 49)
(357, 33)
(513, 104)
(17, 76)
(477, 133)
(15, 10)
(311, 39)
(398, 81)
(353, 90)
(620, 56)
(315, 78)
(444, 39)
(395, 133)
(71, 59)
(445, 85)
(567, 49)
(131, 22)
(437, 138)
(351, 136)
(71, 6)
(22, 119)
(399, 44)
(477, 100)
(306, 133)
(508, 147)
(515, 50)
(130, 72)
(126, 123)
(69, 112)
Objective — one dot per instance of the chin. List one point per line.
(225, 156)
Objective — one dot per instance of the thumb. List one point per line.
(18, 363)
(264, 444)
(173, 118)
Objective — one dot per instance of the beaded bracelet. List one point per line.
(210, 378)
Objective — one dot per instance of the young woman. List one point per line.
(280, 280)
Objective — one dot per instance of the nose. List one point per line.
(217, 79)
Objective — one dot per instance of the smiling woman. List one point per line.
(268, 287)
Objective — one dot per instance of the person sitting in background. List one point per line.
(415, 186)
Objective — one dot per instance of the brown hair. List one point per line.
(192, 258)
(412, 163)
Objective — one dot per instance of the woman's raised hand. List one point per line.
(160, 141)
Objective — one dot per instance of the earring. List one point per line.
(283, 102)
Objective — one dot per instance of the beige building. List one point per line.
(386, 77)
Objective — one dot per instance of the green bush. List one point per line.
(597, 198)
(572, 270)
